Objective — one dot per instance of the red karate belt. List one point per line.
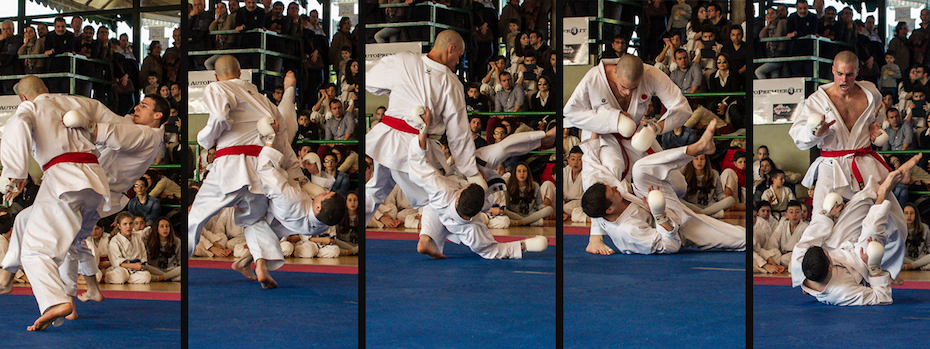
(856, 153)
(77, 158)
(398, 124)
(626, 159)
(249, 150)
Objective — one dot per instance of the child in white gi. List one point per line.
(127, 254)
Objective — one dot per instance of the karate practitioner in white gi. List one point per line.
(833, 266)
(845, 136)
(628, 219)
(235, 106)
(411, 81)
(75, 186)
(454, 204)
(612, 93)
(128, 146)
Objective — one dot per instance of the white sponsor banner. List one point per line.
(774, 101)
(374, 52)
(198, 81)
(8, 105)
(575, 41)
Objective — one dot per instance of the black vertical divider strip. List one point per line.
(185, 170)
(363, 166)
(748, 77)
(556, 91)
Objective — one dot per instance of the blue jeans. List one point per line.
(774, 68)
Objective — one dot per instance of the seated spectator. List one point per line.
(320, 112)
(491, 83)
(376, 118)
(395, 212)
(734, 179)
(540, 100)
(679, 137)
(341, 185)
(725, 79)
(765, 215)
(392, 15)
(348, 159)
(572, 189)
(786, 234)
(900, 133)
(143, 203)
(705, 192)
(705, 50)
(127, 254)
(511, 96)
(688, 76)
(777, 194)
(99, 243)
(735, 50)
(665, 61)
(349, 85)
(307, 130)
(164, 253)
(475, 101)
(342, 125)
(163, 187)
(345, 234)
(889, 100)
(529, 73)
(224, 20)
(474, 124)
(774, 27)
(917, 245)
(569, 141)
(525, 200)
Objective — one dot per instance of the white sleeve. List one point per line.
(16, 143)
(580, 113)
(458, 133)
(288, 114)
(127, 138)
(802, 136)
(593, 167)
(816, 233)
(380, 78)
(424, 174)
(218, 104)
(663, 241)
(677, 109)
(116, 253)
(877, 293)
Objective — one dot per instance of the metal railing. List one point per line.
(815, 58)
(262, 51)
(72, 73)
(432, 23)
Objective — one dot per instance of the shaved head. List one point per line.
(846, 57)
(630, 67)
(227, 68)
(30, 87)
(448, 38)
(448, 49)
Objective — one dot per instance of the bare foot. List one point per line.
(548, 141)
(73, 315)
(261, 270)
(516, 222)
(51, 315)
(907, 166)
(898, 282)
(94, 295)
(244, 267)
(596, 245)
(890, 182)
(6, 282)
(705, 145)
(427, 247)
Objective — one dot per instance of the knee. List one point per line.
(306, 250)
(287, 248)
(117, 276)
(329, 251)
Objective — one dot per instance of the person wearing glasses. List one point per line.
(726, 79)
(144, 204)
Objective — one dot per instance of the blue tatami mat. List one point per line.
(689, 299)
(783, 317)
(307, 310)
(465, 301)
(113, 323)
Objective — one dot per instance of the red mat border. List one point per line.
(783, 281)
(393, 235)
(117, 294)
(302, 268)
(574, 230)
